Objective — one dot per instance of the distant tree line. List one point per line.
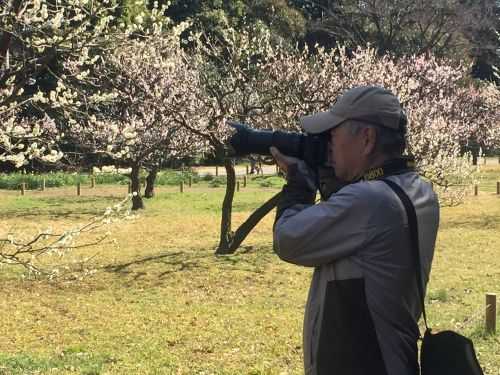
(456, 29)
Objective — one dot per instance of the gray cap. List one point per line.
(371, 104)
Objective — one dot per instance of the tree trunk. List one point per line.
(6, 36)
(250, 223)
(137, 202)
(230, 241)
(149, 192)
(475, 155)
(226, 236)
(474, 149)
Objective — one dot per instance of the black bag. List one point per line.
(446, 352)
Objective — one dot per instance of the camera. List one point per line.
(312, 148)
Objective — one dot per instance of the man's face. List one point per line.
(349, 152)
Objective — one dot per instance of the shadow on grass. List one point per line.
(167, 263)
(176, 261)
(62, 200)
(53, 214)
(57, 207)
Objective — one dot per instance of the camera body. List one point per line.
(312, 148)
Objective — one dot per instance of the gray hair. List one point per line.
(389, 142)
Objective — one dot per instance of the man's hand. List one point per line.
(286, 163)
(300, 187)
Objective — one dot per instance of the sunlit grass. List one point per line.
(162, 303)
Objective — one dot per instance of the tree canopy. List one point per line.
(457, 29)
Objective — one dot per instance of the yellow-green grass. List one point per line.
(162, 303)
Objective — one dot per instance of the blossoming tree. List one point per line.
(141, 93)
(47, 49)
(444, 108)
(36, 37)
(231, 88)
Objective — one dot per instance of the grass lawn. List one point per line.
(162, 303)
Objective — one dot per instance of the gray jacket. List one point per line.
(363, 307)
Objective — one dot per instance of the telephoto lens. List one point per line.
(312, 148)
(250, 141)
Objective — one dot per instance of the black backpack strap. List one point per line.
(413, 227)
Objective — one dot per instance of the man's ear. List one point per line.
(370, 140)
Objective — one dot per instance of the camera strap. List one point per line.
(389, 168)
(411, 215)
(329, 184)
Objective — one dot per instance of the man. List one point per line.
(363, 305)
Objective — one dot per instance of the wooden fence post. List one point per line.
(498, 187)
(491, 313)
(181, 187)
(129, 187)
(23, 187)
(476, 190)
(190, 181)
(78, 188)
(43, 184)
(216, 171)
(246, 166)
(237, 186)
(244, 181)
(92, 182)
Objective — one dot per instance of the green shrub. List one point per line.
(170, 177)
(13, 181)
(270, 181)
(265, 183)
(440, 295)
(111, 178)
(208, 177)
(217, 181)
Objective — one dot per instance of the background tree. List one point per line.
(248, 78)
(40, 40)
(281, 17)
(212, 17)
(37, 36)
(446, 28)
(484, 45)
(231, 80)
(444, 107)
(134, 102)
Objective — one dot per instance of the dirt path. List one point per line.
(240, 170)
